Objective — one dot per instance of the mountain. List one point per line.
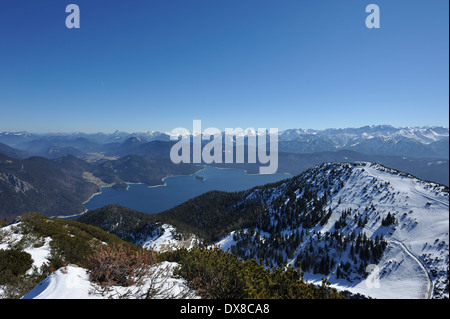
(427, 141)
(12, 152)
(59, 187)
(55, 151)
(353, 223)
(431, 169)
(421, 151)
(373, 140)
(367, 228)
(130, 225)
(14, 138)
(47, 186)
(441, 146)
(138, 169)
(141, 147)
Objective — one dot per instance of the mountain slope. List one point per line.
(38, 184)
(59, 187)
(336, 220)
(34, 246)
(12, 152)
(362, 215)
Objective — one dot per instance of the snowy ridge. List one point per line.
(168, 240)
(345, 136)
(72, 282)
(401, 223)
(423, 141)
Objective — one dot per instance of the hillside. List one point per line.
(353, 223)
(130, 225)
(52, 187)
(359, 215)
(367, 228)
(138, 169)
(43, 258)
(34, 246)
(59, 187)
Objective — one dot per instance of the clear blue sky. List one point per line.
(159, 64)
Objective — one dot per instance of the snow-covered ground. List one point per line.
(169, 240)
(72, 282)
(397, 276)
(416, 260)
(226, 242)
(11, 236)
(418, 244)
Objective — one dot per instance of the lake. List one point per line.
(179, 189)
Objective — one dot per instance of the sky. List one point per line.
(157, 65)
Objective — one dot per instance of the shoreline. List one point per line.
(155, 186)
(128, 183)
(251, 174)
(169, 176)
(95, 194)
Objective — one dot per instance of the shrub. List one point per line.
(216, 274)
(13, 264)
(119, 265)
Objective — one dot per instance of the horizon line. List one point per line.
(168, 132)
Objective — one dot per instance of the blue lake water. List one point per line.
(179, 189)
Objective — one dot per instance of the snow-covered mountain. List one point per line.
(367, 228)
(380, 139)
(427, 141)
(342, 137)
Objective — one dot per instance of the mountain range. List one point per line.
(56, 173)
(380, 139)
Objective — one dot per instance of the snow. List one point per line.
(40, 254)
(422, 212)
(168, 240)
(226, 242)
(72, 282)
(39, 249)
(397, 276)
(416, 260)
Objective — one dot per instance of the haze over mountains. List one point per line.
(60, 171)
(381, 140)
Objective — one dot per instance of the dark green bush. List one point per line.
(13, 264)
(216, 274)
